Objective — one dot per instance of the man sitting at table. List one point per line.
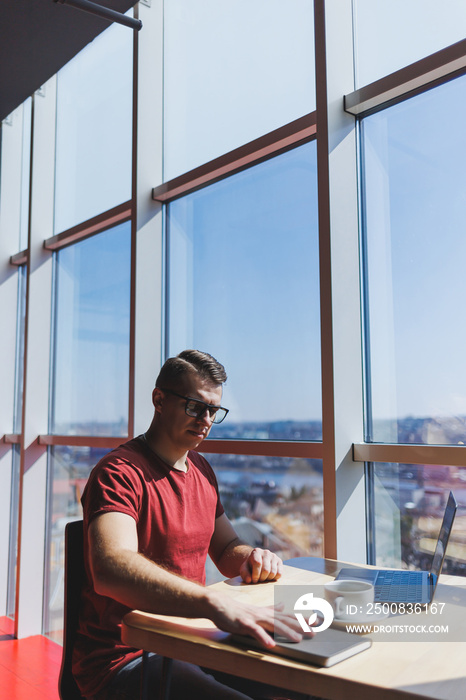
(152, 513)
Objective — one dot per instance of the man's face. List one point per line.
(187, 432)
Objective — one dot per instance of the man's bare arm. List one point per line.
(120, 572)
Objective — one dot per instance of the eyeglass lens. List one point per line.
(196, 409)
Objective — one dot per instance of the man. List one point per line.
(152, 513)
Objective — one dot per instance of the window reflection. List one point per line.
(94, 129)
(91, 363)
(414, 208)
(244, 286)
(221, 92)
(416, 28)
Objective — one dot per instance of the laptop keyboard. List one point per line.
(399, 586)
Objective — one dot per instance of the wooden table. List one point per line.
(388, 671)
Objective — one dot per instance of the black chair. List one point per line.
(74, 578)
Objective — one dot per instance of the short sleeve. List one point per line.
(113, 486)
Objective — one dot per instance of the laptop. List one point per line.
(401, 586)
(324, 649)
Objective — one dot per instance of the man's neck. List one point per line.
(176, 459)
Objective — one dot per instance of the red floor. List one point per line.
(29, 667)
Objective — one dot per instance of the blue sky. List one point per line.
(416, 185)
(244, 266)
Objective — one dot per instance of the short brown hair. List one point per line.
(202, 363)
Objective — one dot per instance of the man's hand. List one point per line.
(232, 556)
(250, 620)
(261, 565)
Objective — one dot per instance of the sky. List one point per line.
(415, 185)
(92, 331)
(94, 117)
(244, 285)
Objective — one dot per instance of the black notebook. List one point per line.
(325, 648)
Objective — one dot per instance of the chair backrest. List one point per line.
(74, 577)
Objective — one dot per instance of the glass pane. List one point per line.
(244, 286)
(69, 468)
(19, 361)
(273, 502)
(15, 455)
(15, 165)
(91, 367)
(232, 72)
(416, 28)
(94, 122)
(25, 172)
(414, 182)
(410, 500)
(13, 537)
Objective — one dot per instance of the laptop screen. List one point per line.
(444, 536)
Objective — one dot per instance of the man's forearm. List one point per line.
(233, 557)
(137, 582)
(131, 579)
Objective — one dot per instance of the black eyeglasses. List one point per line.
(197, 409)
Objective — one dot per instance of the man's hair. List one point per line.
(203, 364)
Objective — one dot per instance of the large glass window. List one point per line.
(232, 72)
(414, 209)
(391, 34)
(244, 286)
(91, 354)
(94, 118)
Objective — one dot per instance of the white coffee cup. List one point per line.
(350, 599)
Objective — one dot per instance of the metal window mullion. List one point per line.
(450, 455)
(328, 397)
(364, 276)
(266, 448)
(148, 216)
(272, 144)
(134, 179)
(422, 75)
(342, 394)
(91, 227)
